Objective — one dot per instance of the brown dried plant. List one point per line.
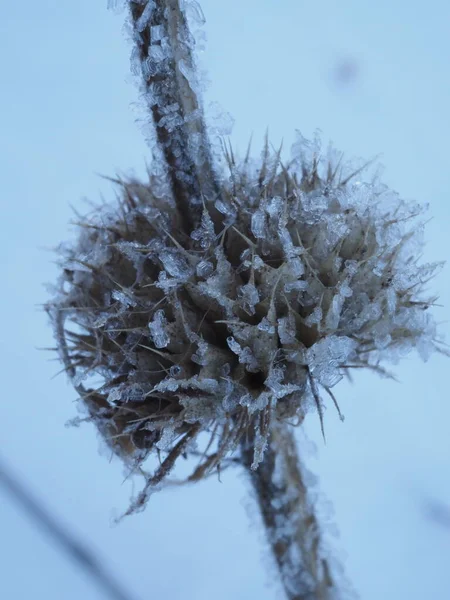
(230, 301)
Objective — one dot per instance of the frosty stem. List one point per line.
(288, 515)
(164, 48)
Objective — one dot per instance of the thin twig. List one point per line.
(74, 549)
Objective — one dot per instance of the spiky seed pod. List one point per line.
(295, 275)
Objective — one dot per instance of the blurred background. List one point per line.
(374, 77)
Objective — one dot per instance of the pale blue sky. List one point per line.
(66, 114)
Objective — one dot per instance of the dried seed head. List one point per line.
(293, 276)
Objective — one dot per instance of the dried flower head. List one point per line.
(294, 275)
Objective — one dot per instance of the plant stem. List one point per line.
(288, 515)
(163, 46)
(73, 548)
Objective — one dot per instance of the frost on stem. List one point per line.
(289, 515)
(293, 277)
(163, 58)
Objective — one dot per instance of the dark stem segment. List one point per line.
(164, 48)
(288, 514)
(74, 549)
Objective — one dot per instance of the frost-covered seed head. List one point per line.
(293, 276)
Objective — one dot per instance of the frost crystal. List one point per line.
(176, 264)
(158, 330)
